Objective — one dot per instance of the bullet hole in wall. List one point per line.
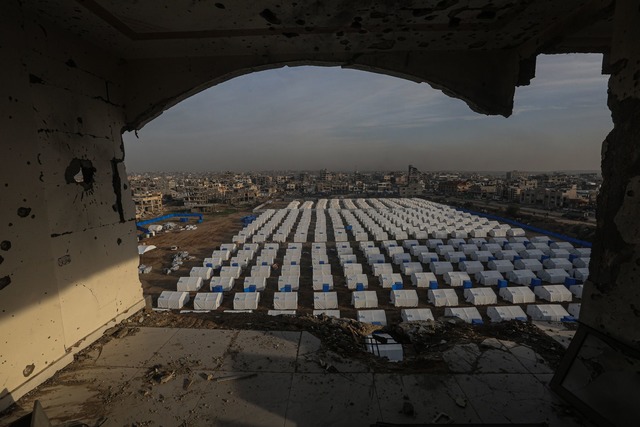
(80, 172)
(23, 212)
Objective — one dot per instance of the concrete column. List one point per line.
(611, 302)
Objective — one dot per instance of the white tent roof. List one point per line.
(142, 249)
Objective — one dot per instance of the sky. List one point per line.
(310, 118)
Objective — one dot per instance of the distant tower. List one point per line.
(413, 175)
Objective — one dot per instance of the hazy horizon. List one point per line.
(312, 118)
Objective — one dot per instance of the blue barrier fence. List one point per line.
(140, 225)
(529, 227)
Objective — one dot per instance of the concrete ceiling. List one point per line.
(166, 28)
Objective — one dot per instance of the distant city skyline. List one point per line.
(311, 118)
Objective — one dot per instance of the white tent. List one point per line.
(228, 271)
(559, 253)
(440, 267)
(352, 269)
(207, 301)
(581, 252)
(506, 312)
(214, 263)
(328, 313)
(259, 282)
(532, 254)
(293, 281)
(294, 270)
(416, 314)
(576, 290)
(285, 300)
(491, 247)
(373, 259)
(528, 264)
(189, 284)
(389, 279)
(521, 277)
(518, 247)
(455, 256)
(581, 262)
(500, 265)
(548, 312)
(468, 248)
(419, 249)
(374, 317)
(456, 278)
(553, 275)
(517, 295)
(203, 272)
(553, 293)
(516, 232)
(442, 297)
(427, 257)
(281, 313)
(480, 296)
(379, 269)
(319, 270)
(143, 249)
(404, 298)
(402, 257)
(353, 280)
(482, 256)
(173, 300)
(468, 314)
(561, 245)
(443, 249)
(261, 271)
(506, 254)
(489, 277)
(422, 280)
(325, 300)
(225, 282)
(246, 300)
(555, 263)
(471, 267)
(581, 274)
(574, 310)
(319, 281)
(408, 268)
(364, 299)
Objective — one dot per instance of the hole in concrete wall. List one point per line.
(5, 245)
(80, 172)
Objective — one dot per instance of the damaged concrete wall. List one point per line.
(68, 258)
(611, 302)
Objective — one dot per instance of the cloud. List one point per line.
(315, 117)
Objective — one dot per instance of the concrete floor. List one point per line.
(253, 378)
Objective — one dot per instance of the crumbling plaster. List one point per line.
(611, 301)
(69, 256)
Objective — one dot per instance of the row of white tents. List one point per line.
(458, 247)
